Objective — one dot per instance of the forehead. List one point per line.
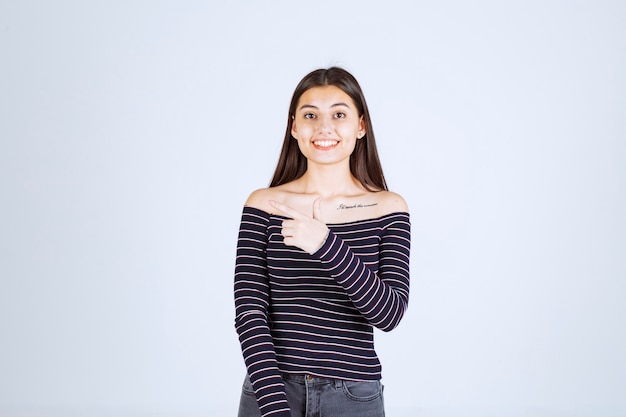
(325, 96)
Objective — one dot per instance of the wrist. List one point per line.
(321, 243)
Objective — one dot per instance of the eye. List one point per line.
(309, 116)
(340, 115)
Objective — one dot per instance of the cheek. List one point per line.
(304, 130)
(348, 131)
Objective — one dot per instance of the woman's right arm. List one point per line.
(251, 290)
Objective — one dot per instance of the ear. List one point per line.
(362, 128)
(294, 129)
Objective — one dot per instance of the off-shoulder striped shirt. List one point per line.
(314, 314)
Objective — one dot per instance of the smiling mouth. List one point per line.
(325, 143)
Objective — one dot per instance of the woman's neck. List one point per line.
(329, 181)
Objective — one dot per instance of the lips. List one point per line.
(325, 143)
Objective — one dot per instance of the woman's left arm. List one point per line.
(381, 297)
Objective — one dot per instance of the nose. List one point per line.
(325, 124)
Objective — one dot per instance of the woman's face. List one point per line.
(327, 124)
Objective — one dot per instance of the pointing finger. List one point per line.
(290, 212)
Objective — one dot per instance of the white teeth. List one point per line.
(325, 143)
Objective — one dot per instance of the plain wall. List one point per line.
(132, 132)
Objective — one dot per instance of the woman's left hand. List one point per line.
(303, 231)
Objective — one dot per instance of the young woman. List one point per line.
(322, 258)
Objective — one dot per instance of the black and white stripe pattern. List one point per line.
(301, 313)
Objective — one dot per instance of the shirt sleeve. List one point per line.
(380, 296)
(251, 291)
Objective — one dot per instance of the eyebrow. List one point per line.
(310, 106)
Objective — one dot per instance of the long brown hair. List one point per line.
(364, 162)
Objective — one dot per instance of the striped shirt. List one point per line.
(314, 314)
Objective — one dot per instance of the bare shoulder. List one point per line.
(390, 202)
(260, 198)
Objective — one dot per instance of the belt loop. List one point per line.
(338, 383)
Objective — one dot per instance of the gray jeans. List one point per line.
(311, 396)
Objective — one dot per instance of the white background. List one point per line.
(133, 131)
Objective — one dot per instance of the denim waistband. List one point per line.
(308, 379)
